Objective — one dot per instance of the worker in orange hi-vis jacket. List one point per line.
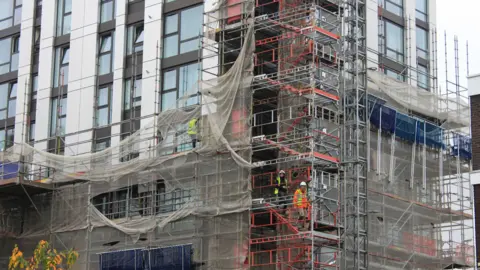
(301, 204)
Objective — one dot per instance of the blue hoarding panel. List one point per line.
(8, 170)
(405, 127)
(123, 260)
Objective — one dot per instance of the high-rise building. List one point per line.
(150, 134)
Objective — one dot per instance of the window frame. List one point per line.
(16, 11)
(177, 87)
(425, 51)
(109, 52)
(399, 75)
(425, 74)
(107, 106)
(113, 12)
(4, 112)
(14, 53)
(61, 14)
(63, 115)
(132, 95)
(385, 4)
(424, 15)
(132, 46)
(178, 32)
(107, 141)
(59, 66)
(384, 38)
(5, 143)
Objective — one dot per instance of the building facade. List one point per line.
(83, 76)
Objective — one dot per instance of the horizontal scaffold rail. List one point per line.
(299, 236)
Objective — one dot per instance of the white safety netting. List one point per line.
(147, 176)
(455, 112)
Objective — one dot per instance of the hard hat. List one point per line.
(303, 184)
(281, 171)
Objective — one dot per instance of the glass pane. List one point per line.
(422, 77)
(104, 64)
(421, 16)
(170, 46)
(6, 23)
(13, 90)
(3, 95)
(66, 56)
(17, 18)
(169, 100)
(6, 9)
(139, 34)
(14, 64)
(5, 47)
(397, 10)
(189, 46)
(99, 146)
(188, 80)
(421, 5)
(191, 22)
(63, 75)
(12, 107)
(53, 117)
(5, 68)
(106, 12)
(130, 40)
(63, 107)
(63, 125)
(171, 24)
(138, 48)
(170, 79)
(68, 6)
(66, 24)
(422, 39)
(102, 117)
(106, 45)
(3, 114)
(32, 132)
(10, 137)
(102, 98)
(127, 95)
(138, 88)
(394, 40)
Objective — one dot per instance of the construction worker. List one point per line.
(192, 131)
(281, 189)
(301, 204)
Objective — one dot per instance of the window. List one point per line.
(132, 96)
(6, 138)
(103, 112)
(62, 59)
(105, 57)
(391, 40)
(107, 10)
(421, 10)
(182, 31)
(394, 6)
(31, 131)
(8, 100)
(101, 144)
(395, 75)
(58, 116)
(422, 75)
(10, 13)
(180, 84)
(38, 32)
(173, 200)
(33, 95)
(9, 61)
(422, 43)
(64, 17)
(135, 39)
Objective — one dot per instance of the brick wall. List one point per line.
(476, 202)
(475, 125)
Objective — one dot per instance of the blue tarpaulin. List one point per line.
(462, 146)
(383, 117)
(167, 258)
(429, 135)
(8, 170)
(405, 127)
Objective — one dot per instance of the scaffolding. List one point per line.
(284, 86)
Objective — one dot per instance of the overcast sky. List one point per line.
(461, 18)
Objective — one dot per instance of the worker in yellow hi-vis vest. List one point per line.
(281, 189)
(192, 131)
